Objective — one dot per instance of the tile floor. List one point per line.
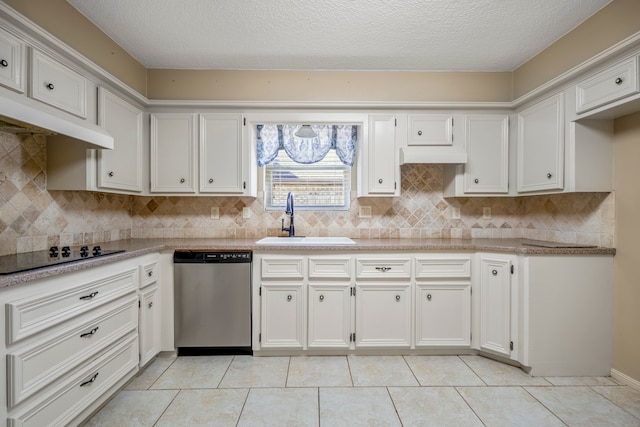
(362, 391)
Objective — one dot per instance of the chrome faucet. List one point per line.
(289, 211)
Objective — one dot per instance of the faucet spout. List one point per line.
(289, 211)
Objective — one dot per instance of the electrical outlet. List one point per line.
(364, 212)
(215, 212)
(486, 213)
(246, 212)
(455, 213)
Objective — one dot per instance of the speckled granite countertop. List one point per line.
(137, 247)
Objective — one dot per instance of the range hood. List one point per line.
(20, 118)
(433, 154)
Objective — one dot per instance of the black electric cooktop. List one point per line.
(17, 263)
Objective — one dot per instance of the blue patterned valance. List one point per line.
(272, 138)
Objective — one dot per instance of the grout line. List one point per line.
(469, 405)
(474, 372)
(394, 406)
(353, 384)
(226, 371)
(244, 404)
(165, 409)
(286, 378)
(545, 406)
(605, 397)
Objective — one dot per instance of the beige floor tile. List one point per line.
(385, 371)
(357, 406)
(219, 408)
(508, 407)
(581, 406)
(194, 372)
(495, 373)
(432, 406)
(442, 371)
(560, 381)
(248, 371)
(151, 373)
(295, 407)
(625, 397)
(319, 371)
(133, 408)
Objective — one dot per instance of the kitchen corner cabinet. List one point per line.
(149, 311)
(173, 152)
(120, 168)
(540, 146)
(223, 163)
(378, 167)
(12, 61)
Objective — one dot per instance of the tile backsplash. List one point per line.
(32, 218)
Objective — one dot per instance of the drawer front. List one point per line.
(58, 86)
(383, 268)
(149, 273)
(31, 315)
(282, 268)
(11, 62)
(69, 397)
(31, 369)
(329, 268)
(439, 268)
(616, 82)
(431, 129)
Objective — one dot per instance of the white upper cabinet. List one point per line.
(57, 85)
(12, 60)
(378, 166)
(173, 152)
(611, 84)
(540, 149)
(120, 168)
(430, 129)
(487, 144)
(221, 154)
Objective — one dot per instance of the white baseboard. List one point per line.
(625, 379)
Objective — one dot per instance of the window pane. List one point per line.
(318, 186)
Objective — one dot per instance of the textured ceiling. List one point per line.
(434, 35)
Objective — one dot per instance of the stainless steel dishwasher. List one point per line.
(212, 301)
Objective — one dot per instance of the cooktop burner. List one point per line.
(17, 263)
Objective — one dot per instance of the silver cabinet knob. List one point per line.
(289, 297)
(549, 175)
(494, 272)
(476, 180)
(4, 63)
(321, 298)
(210, 180)
(111, 174)
(151, 304)
(419, 133)
(182, 180)
(397, 297)
(618, 81)
(380, 181)
(429, 297)
(50, 86)
(150, 273)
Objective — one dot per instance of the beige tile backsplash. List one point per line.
(32, 218)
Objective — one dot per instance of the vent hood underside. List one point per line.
(21, 118)
(433, 154)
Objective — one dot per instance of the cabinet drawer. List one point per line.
(30, 369)
(149, 273)
(282, 268)
(383, 268)
(329, 268)
(11, 62)
(61, 404)
(31, 315)
(450, 267)
(430, 129)
(57, 85)
(616, 82)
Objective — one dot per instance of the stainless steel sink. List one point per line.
(306, 241)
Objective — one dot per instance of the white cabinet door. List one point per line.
(120, 168)
(383, 315)
(173, 153)
(383, 171)
(487, 145)
(283, 315)
(495, 305)
(149, 328)
(541, 146)
(430, 129)
(615, 82)
(221, 154)
(11, 61)
(329, 315)
(443, 315)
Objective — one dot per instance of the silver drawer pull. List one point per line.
(618, 81)
(4, 63)
(383, 269)
(90, 296)
(50, 86)
(90, 333)
(90, 381)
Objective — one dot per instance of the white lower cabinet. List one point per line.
(383, 315)
(443, 315)
(149, 310)
(283, 315)
(329, 315)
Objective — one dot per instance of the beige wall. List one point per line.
(62, 20)
(612, 24)
(626, 274)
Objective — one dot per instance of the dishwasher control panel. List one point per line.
(212, 257)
